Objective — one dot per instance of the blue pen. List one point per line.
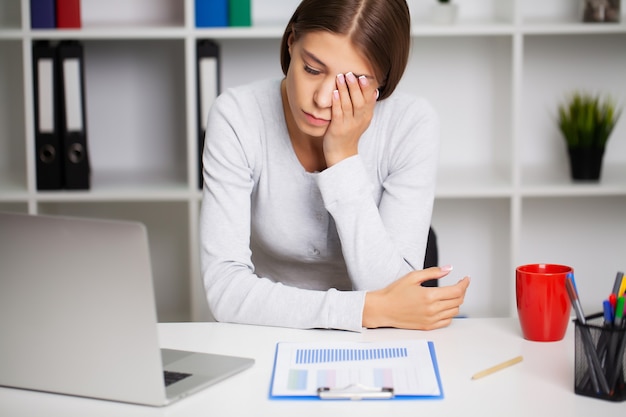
(607, 308)
(570, 276)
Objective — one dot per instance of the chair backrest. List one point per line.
(432, 256)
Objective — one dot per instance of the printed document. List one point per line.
(409, 367)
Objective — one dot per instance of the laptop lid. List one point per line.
(78, 316)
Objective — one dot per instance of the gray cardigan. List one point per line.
(284, 247)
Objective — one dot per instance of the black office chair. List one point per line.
(432, 257)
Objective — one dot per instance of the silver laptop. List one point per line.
(78, 316)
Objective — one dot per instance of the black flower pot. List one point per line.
(586, 163)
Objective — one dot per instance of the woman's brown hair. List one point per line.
(379, 29)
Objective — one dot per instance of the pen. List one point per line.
(570, 286)
(619, 277)
(619, 350)
(498, 367)
(609, 348)
(619, 312)
(613, 301)
(595, 368)
(608, 311)
(570, 276)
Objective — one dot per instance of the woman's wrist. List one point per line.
(373, 310)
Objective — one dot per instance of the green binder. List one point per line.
(239, 13)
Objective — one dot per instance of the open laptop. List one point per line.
(78, 316)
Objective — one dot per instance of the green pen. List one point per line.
(619, 311)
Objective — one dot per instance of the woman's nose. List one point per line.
(323, 96)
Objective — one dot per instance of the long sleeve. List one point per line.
(284, 247)
(234, 291)
(383, 230)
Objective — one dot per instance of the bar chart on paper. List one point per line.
(407, 367)
(341, 355)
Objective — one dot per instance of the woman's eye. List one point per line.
(311, 70)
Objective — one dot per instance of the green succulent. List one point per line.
(587, 122)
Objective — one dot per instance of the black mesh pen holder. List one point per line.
(600, 359)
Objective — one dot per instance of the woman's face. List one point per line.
(316, 60)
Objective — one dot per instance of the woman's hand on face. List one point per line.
(352, 111)
(406, 304)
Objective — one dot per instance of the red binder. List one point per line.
(68, 14)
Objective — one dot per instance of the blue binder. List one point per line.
(43, 14)
(211, 13)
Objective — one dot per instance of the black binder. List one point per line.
(208, 74)
(49, 158)
(73, 120)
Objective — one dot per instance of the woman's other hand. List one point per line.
(407, 304)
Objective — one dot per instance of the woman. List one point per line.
(319, 187)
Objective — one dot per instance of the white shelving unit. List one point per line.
(504, 196)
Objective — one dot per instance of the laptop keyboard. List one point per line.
(172, 377)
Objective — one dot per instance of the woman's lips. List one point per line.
(315, 121)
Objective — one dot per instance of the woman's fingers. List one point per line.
(354, 94)
(407, 304)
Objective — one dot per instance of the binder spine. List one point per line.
(73, 126)
(239, 13)
(43, 14)
(211, 13)
(48, 155)
(68, 14)
(208, 78)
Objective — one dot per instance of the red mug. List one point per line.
(543, 305)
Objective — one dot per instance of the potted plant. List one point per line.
(586, 123)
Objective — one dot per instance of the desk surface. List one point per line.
(542, 385)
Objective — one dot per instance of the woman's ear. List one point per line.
(290, 41)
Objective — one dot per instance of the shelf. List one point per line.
(548, 27)
(120, 195)
(133, 13)
(11, 34)
(585, 233)
(247, 33)
(167, 224)
(13, 186)
(472, 182)
(548, 182)
(460, 224)
(109, 33)
(12, 145)
(463, 29)
(14, 207)
(503, 195)
(10, 15)
(136, 110)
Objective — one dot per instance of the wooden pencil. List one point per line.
(498, 367)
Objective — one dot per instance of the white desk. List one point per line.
(542, 385)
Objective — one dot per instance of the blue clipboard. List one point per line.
(300, 374)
